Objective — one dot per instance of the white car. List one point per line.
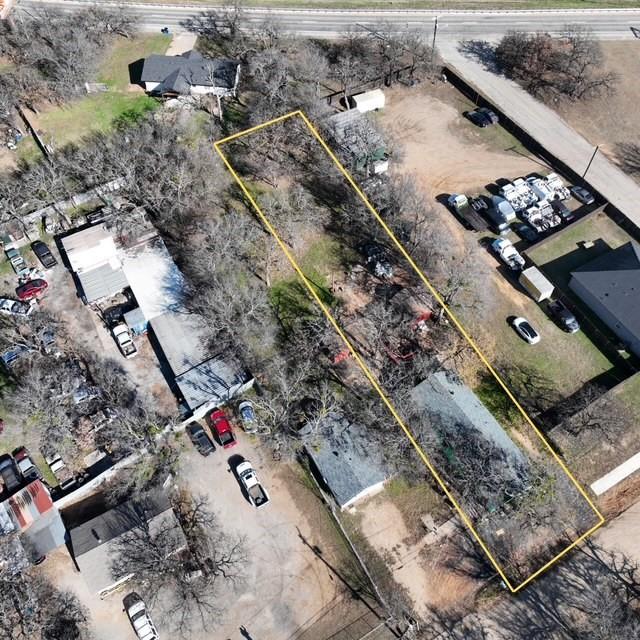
(139, 616)
(123, 338)
(525, 330)
(15, 307)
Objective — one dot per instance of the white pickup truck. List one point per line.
(257, 494)
(124, 341)
(504, 249)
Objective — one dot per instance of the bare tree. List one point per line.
(569, 65)
(31, 607)
(184, 565)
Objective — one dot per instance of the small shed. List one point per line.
(369, 100)
(136, 321)
(535, 284)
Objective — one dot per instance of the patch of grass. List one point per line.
(414, 500)
(290, 297)
(494, 398)
(97, 112)
(114, 71)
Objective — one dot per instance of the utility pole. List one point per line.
(590, 161)
(433, 44)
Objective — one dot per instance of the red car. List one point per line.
(222, 428)
(31, 289)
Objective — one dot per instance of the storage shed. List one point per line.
(535, 284)
(369, 100)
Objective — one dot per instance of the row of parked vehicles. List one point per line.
(538, 202)
(223, 433)
(17, 469)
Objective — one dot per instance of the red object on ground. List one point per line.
(221, 426)
(31, 289)
(342, 356)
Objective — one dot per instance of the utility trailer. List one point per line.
(467, 212)
(535, 284)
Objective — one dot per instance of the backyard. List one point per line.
(60, 125)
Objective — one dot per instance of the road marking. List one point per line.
(374, 383)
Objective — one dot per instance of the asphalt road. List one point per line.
(452, 25)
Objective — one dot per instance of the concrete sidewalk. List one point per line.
(549, 130)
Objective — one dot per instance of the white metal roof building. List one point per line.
(90, 248)
(156, 282)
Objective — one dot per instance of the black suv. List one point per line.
(44, 254)
(564, 317)
(200, 439)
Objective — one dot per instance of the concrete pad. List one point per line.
(181, 43)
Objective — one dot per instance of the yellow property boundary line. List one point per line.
(365, 369)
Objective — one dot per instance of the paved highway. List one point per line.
(452, 25)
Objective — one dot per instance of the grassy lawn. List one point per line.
(563, 252)
(98, 112)
(290, 297)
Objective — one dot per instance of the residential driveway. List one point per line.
(285, 585)
(549, 129)
(181, 43)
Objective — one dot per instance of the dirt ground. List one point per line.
(293, 583)
(609, 121)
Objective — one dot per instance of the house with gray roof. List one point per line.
(94, 543)
(190, 74)
(447, 400)
(610, 286)
(350, 465)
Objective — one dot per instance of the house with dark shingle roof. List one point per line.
(610, 286)
(349, 464)
(190, 74)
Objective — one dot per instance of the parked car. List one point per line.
(9, 473)
(525, 330)
(566, 319)
(248, 416)
(258, 495)
(47, 339)
(527, 233)
(200, 439)
(582, 195)
(14, 353)
(26, 465)
(122, 336)
(222, 428)
(15, 307)
(139, 617)
(44, 254)
(562, 210)
(482, 117)
(17, 261)
(31, 289)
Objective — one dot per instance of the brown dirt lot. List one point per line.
(609, 121)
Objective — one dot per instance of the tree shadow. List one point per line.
(481, 51)
(628, 157)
